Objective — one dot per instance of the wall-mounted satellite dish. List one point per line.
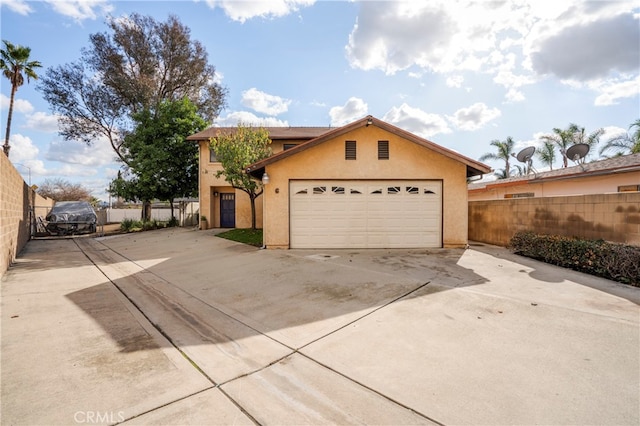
(526, 156)
(577, 152)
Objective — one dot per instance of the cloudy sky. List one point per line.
(459, 73)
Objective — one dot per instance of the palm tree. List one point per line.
(14, 61)
(563, 139)
(626, 143)
(547, 154)
(505, 149)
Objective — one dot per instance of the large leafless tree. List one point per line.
(135, 66)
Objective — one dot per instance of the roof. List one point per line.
(620, 164)
(275, 133)
(474, 167)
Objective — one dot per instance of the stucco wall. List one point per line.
(601, 184)
(15, 197)
(326, 161)
(208, 185)
(611, 217)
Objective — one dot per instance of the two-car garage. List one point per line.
(365, 213)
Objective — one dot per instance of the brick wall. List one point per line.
(15, 196)
(611, 217)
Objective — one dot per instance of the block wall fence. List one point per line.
(15, 200)
(611, 217)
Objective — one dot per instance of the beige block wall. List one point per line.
(611, 217)
(15, 200)
(407, 161)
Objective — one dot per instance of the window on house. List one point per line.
(383, 150)
(287, 146)
(212, 156)
(350, 150)
(520, 195)
(629, 188)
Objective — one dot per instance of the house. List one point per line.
(223, 206)
(368, 184)
(617, 174)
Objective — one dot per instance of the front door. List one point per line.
(227, 210)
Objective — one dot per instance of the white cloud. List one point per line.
(475, 116)
(264, 103)
(417, 121)
(19, 6)
(455, 81)
(612, 131)
(353, 109)
(80, 10)
(22, 149)
(612, 91)
(243, 10)
(19, 105)
(516, 42)
(78, 153)
(43, 122)
(234, 118)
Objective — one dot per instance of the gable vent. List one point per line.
(383, 150)
(350, 150)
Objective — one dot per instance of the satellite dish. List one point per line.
(526, 154)
(577, 152)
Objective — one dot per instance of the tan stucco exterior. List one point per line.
(209, 185)
(321, 156)
(578, 185)
(611, 175)
(327, 161)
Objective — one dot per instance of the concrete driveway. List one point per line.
(181, 327)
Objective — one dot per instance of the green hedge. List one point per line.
(616, 262)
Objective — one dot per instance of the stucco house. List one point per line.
(617, 174)
(368, 184)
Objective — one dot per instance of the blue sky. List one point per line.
(459, 73)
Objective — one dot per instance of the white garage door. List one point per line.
(365, 214)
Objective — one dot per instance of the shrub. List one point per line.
(613, 261)
(172, 222)
(128, 225)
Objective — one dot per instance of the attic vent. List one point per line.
(383, 150)
(350, 150)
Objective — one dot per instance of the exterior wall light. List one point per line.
(265, 179)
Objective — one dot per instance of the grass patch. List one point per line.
(245, 236)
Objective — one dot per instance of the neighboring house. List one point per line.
(222, 205)
(364, 185)
(617, 174)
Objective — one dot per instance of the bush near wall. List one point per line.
(618, 262)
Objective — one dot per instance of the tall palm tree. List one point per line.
(547, 154)
(14, 62)
(626, 143)
(505, 149)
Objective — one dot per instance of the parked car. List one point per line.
(71, 217)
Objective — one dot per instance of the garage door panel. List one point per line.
(361, 214)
